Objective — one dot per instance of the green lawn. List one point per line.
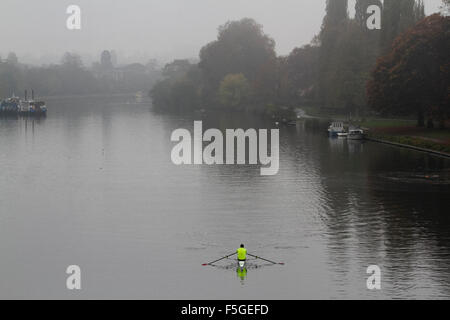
(405, 132)
(416, 142)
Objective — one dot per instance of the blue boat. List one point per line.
(15, 105)
(10, 106)
(335, 129)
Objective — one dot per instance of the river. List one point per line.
(92, 185)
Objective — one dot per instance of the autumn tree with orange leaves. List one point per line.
(414, 77)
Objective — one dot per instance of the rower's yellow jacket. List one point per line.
(242, 254)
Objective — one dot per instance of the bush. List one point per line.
(234, 91)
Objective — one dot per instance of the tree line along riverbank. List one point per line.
(400, 71)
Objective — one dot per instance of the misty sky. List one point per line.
(139, 29)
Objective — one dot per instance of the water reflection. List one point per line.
(242, 274)
(381, 212)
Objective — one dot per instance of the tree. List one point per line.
(336, 16)
(241, 47)
(113, 58)
(184, 95)
(336, 12)
(415, 76)
(161, 95)
(297, 76)
(398, 16)
(106, 60)
(10, 79)
(180, 88)
(347, 71)
(176, 69)
(73, 77)
(347, 49)
(234, 90)
(334, 24)
(71, 61)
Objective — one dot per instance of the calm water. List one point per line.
(93, 185)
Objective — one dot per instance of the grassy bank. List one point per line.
(406, 132)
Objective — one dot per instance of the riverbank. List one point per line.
(410, 146)
(398, 132)
(406, 133)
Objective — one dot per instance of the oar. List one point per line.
(273, 262)
(226, 257)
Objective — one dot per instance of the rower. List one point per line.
(241, 253)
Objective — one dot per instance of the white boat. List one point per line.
(356, 134)
(241, 264)
(25, 106)
(342, 135)
(11, 105)
(335, 128)
(31, 106)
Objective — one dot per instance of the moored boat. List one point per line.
(15, 105)
(335, 128)
(36, 107)
(356, 134)
(10, 105)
